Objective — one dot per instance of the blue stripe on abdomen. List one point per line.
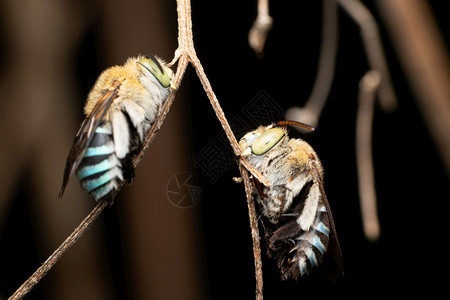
(322, 228)
(104, 165)
(105, 149)
(100, 171)
(92, 184)
(317, 243)
(312, 245)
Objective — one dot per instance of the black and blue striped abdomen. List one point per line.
(311, 245)
(297, 251)
(100, 171)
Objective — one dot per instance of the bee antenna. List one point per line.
(296, 123)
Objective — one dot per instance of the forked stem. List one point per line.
(184, 54)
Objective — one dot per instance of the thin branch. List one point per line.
(425, 58)
(186, 50)
(377, 80)
(367, 89)
(311, 111)
(184, 54)
(257, 35)
(53, 259)
(254, 231)
(374, 49)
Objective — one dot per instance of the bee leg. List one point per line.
(306, 218)
(283, 199)
(267, 228)
(277, 197)
(290, 215)
(284, 235)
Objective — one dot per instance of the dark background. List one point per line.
(411, 181)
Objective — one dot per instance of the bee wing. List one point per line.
(85, 134)
(335, 270)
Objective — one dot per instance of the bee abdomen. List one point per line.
(311, 245)
(299, 251)
(100, 171)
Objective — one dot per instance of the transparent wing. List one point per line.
(86, 132)
(334, 267)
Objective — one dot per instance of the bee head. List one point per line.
(261, 140)
(162, 73)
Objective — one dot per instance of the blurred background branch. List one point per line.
(373, 48)
(311, 111)
(368, 86)
(424, 57)
(257, 35)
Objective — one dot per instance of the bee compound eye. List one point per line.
(155, 68)
(267, 140)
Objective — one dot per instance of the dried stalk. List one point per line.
(369, 85)
(311, 111)
(425, 59)
(374, 49)
(388, 102)
(255, 233)
(261, 26)
(367, 196)
(186, 49)
(184, 54)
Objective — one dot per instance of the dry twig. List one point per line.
(261, 26)
(374, 49)
(425, 59)
(368, 87)
(377, 80)
(311, 111)
(184, 55)
(186, 50)
(255, 233)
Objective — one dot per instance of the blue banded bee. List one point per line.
(120, 109)
(297, 220)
